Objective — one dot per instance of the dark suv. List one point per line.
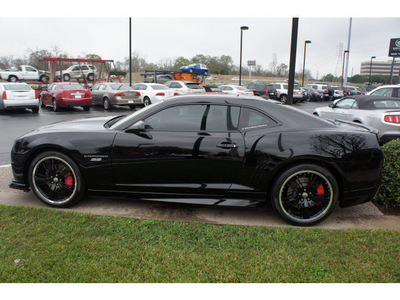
(262, 89)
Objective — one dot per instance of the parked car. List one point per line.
(18, 95)
(351, 90)
(386, 90)
(78, 72)
(282, 92)
(267, 91)
(311, 94)
(335, 92)
(109, 94)
(380, 112)
(321, 88)
(25, 73)
(199, 69)
(235, 89)
(66, 94)
(153, 92)
(210, 149)
(185, 87)
(158, 79)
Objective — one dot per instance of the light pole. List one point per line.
(304, 59)
(344, 59)
(241, 42)
(370, 70)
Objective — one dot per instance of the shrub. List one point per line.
(389, 191)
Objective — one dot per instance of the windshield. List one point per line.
(70, 87)
(194, 86)
(17, 87)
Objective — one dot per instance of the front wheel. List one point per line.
(66, 77)
(305, 194)
(55, 106)
(86, 107)
(55, 179)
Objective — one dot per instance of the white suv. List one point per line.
(282, 92)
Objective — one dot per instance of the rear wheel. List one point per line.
(132, 106)
(44, 78)
(107, 104)
(305, 194)
(146, 101)
(35, 110)
(12, 79)
(66, 77)
(55, 179)
(86, 107)
(90, 77)
(283, 99)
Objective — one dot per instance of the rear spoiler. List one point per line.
(370, 129)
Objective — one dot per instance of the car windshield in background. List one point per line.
(386, 104)
(17, 87)
(70, 87)
(194, 86)
(159, 87)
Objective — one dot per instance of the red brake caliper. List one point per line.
(69, 180)
(320, 190)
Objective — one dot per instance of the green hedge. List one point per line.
(389, 191)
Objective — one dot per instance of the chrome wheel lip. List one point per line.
(322, 213)
(39, 191)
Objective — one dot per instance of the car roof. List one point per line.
(365, 101)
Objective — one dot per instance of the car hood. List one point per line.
(79, 125)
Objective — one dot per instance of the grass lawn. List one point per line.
(48, 245)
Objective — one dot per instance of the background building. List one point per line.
(379, 67)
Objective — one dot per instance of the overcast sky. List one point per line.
(188, 29)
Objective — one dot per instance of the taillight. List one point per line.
(138, 94)
(4, 96)
(266, 91)
(325, 91)
(160, 94)
(88, 94)
(392, 119)
(36, 94)
(63, 94)
(119, 94)
(176, 94)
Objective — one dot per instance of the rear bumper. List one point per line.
(388, 137)
(356, 197)
(10, 104)
(74, 102)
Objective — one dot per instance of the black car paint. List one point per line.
(189, 167)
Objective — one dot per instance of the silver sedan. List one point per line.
(109, 94)
(379, 112)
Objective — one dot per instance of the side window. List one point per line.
(252, 118)
(75, 68)
(175, 85)
(29, 69)
(95, 87)
(177, 118)
(102, 87)
(222, 118)
(228, 88)
(346, 104)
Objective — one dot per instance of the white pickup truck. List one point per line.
(25, 73)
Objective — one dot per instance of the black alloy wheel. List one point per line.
(55, 179)
(305, 194)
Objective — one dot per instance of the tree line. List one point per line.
(222, 65)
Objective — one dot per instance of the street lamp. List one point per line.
(344, 59)
(241, 41)
(370, 70)
(304, 59)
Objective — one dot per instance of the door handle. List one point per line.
(227, 146)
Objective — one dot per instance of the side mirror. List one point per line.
(138, 127)
(331, 105)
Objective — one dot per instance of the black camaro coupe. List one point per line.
(206, 149)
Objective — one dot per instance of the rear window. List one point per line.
(70, 87)
(386, 104)
(159, 87)
(17, 87)
(120, 87)
(194, 86)
(240, 88)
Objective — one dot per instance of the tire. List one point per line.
(90, 77)
(12, 79)
(86, 107)
(146, 101)
(55, 106)
(283, 99)
(107, 104)
(132, 106)
(206, 73)
(190, 70)
(44, 79)
(305, 194)
(41, 102)
(35, 110)
(56, 180)
(66, 77)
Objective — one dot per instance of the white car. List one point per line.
(153, 92)
(18, 95)
(185, 87)
(386, 90)
(235, 89)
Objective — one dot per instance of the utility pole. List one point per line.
(348, 55)
(292, 64)
(130, 51)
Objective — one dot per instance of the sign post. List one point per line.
(251, 63)
(394, 51)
